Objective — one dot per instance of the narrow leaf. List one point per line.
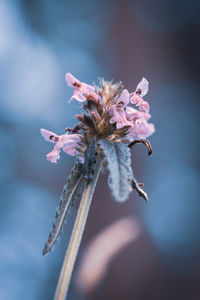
(118, 160)
(71, 192)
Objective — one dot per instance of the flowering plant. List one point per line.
(112, 121)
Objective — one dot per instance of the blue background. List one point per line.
(122, 40)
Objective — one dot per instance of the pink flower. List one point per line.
(140, 128)
(136, 97)
(133, 113)
(117, 111)
(68, 142)
(142, 87)
(123, 99)
(80, 88)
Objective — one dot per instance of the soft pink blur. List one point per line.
(102, 250)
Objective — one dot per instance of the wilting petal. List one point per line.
(142, 87)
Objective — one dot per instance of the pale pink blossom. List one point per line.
(123, 99)
(142, 87)
(144, 106)
(80, 88)
(49, 136)
(68, 142)
(136, 97)
(140, 128)
(133, 113)
(118, 112)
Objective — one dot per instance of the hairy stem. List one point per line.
(70, 258)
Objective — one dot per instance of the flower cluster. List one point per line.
(112, 121)
(111, 113)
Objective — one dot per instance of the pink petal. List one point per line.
(133, 113)
(71, 80)
(144, 106)
(68, 142)
(49, 136)
(78, 96)
(68, 139)
(119, 117)
(70, 149)
(142, 87)
(141, 130)
(86, 88)
(80, 88)
(145, 130)
(135, 99)
(123, 98)
(117, 111)
(53, 156)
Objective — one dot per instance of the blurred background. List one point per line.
(124, 40)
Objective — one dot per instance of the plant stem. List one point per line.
(75, 240)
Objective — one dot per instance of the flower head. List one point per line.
(108, 127)
(109, 120)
